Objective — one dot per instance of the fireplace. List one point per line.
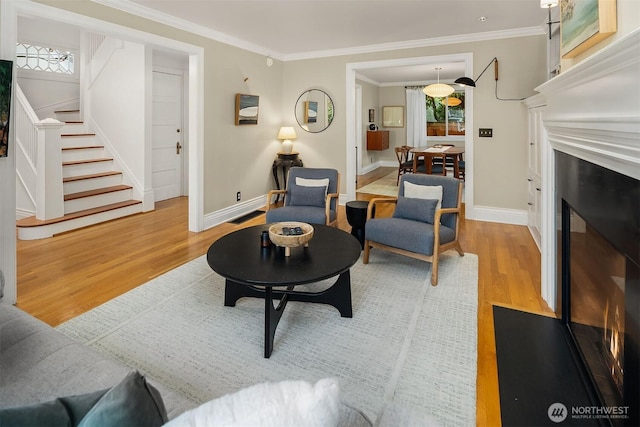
(599, 272)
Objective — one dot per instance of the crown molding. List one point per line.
(411, 44)
(181, 24)
(367, 79)
(147, 13)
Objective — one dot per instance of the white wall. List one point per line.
(48, 92)
(117, 105)
(393, 96)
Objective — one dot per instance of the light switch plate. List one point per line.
(485, 132)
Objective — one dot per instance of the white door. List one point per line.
(167, 140)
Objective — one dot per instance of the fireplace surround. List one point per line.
(591, 199)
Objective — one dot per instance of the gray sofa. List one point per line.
(39, 364)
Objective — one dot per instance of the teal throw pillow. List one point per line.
(423, 210)
(133, 402)
(63, 411)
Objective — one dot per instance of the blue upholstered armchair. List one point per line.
(425, 221)
(310, 195)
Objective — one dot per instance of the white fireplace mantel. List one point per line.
(593, 113)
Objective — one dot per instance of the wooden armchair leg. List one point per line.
(365, 256)
(459, 249)
(434, 272)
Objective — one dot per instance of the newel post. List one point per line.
(49, 193)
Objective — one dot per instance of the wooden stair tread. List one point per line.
(71, 135)
(90, 176)
(32, 221)
(67, 111)
(80, 162)
(84, 147)
(96, 192)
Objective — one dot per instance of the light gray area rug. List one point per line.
(409, 347)
(385, 186)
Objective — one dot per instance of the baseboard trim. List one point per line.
(505, 216)
(239, 209)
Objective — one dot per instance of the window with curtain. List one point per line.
(445, 116)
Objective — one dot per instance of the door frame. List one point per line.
(195, 105)
(351, 71)
(9, 12)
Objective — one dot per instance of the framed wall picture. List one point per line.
(584, 23)
(247, 109)
(393, 116)
(310, 111)
(6, 72)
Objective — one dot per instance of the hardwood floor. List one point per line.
(64, 276)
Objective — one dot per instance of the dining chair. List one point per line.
(461, 173)
(404, 164)
(447, 161)
(424, 163)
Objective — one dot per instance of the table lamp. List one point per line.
(286, 134)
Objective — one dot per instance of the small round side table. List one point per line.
(357, 217)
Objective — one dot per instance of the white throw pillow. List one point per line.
(286, 403)
(309, 182)
(424, 192)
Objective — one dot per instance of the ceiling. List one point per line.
(288, 27)
(295, 29)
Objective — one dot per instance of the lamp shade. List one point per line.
(548, 4)
(465, 81)
(452, 102)
(438, 90)
(287, 132)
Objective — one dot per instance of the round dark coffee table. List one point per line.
(253, 271)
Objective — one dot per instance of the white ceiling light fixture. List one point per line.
(438, 90)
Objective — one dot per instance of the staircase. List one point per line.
(93, 191)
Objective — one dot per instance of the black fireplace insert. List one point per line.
(599, 272)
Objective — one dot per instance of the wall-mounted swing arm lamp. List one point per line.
(466, 81)
(548, 4)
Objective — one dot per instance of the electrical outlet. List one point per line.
(238, 196)
(485, 133)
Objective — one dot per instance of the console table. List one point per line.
(284, 161)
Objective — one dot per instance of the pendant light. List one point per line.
(439, 90)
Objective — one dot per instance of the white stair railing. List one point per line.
(49, 190)
(26, 149)
(26, 133)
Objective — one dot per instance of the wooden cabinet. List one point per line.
(536, 108)
(377, 139)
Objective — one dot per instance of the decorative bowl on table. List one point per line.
(283, 234)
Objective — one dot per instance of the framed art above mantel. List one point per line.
(584, 23)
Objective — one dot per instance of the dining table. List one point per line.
(427, 154)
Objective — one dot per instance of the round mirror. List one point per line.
(314, 110)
